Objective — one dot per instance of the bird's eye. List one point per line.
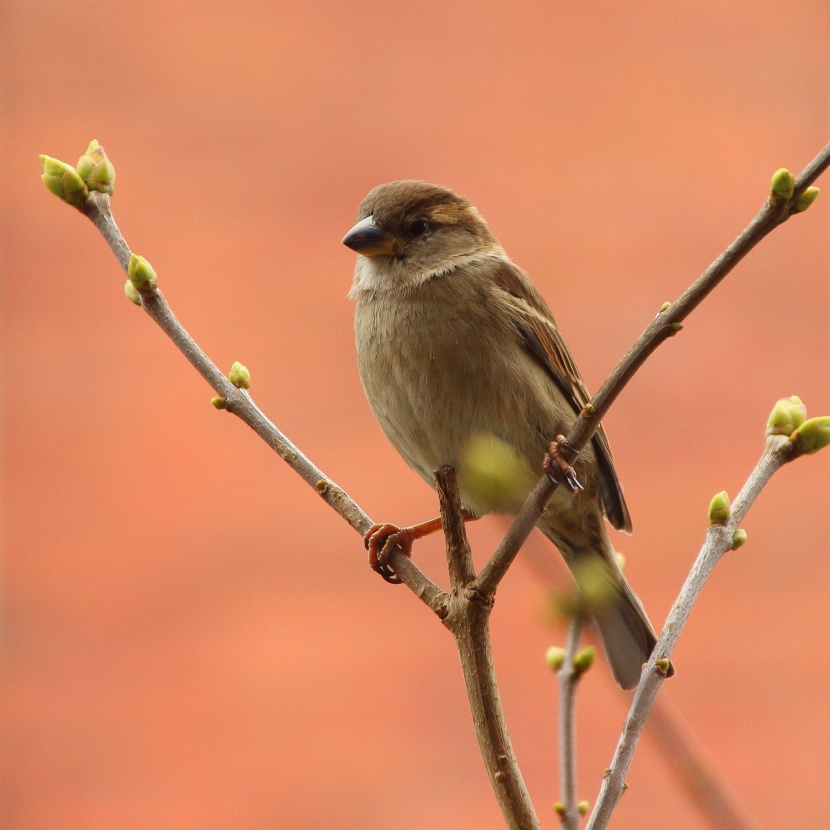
(418, 227)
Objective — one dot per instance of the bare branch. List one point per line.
(665, 325)
(719, 539)
(459, 557)
(469, 621)
(240, 403)
(569, 677)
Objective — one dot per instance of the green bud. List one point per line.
(787, 415)
(218, 402)
(665, 307)
(132, 295)
(495, 475)
(63, 180)
(142, 275)
(739, 538)
(676, 327)
(663, 665)
(561, 809)
(584, 659)
(782, 185)
(96, 169)
(555, 658)
(806, 199)
(583, 807)
(812, 435)
(239, 376)
(719, 509)
(589, 410)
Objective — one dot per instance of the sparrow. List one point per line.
(463, 364)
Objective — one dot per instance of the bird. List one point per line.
(463, 364)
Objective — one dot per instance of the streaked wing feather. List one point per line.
(540, 335)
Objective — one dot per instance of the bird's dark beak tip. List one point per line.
(369, 239)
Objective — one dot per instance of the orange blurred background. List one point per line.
(191, 638)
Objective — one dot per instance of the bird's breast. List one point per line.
(450, 384)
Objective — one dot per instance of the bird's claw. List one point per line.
(557, 469)
(380, 540)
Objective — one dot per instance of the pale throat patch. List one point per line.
(376, 274)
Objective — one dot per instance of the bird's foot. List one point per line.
(557, 469)
(380, 540)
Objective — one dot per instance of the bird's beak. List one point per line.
(369, 238)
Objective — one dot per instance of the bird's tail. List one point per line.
(626, 632)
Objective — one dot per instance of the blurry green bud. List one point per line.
(812, 435)
(560, 809)
(63, 180)
(584, 659)
(787, 415)
(239, 376)
(96, 169)
(663, 665)
(219, 402)
(739, 538)
(555, 658)
(806, 199)
(597, 583)
(719, 509)
(132, 295)
(665, 307)
(782, 185)
(495, 477)
(583, 807)
(142, 275)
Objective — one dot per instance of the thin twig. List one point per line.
(468, 618)
(240, 403)
(459, 557)
(719, 539)
(568, 683)
(665, 325)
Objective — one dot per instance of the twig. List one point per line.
(719, 539)
(468, 618)
(665, 325)
(569, 677)
(240, 403)
(459, 558)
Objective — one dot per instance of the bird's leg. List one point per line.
(558, 470)
(379, 540)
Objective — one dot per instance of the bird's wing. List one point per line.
(540, 335)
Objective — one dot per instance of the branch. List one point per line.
(666, 324)
(468, 618)
(459, 558)
(569, 676)
(719, 539)
(240, 403)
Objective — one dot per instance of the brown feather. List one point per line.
(537, 328)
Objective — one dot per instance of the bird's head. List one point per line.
(410, 231)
